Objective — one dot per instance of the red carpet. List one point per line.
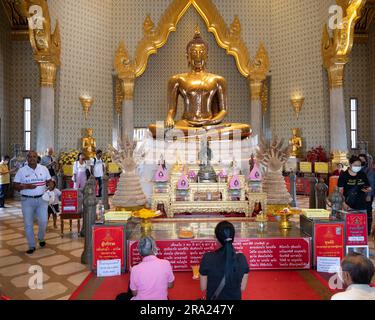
(262, 285)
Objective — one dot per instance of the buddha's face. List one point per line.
(295, 132)
(89, 132)
(197, 56)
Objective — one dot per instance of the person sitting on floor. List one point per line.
(224, 273)
(150, 279)
(357, 272)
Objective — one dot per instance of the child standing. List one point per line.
(52, 195)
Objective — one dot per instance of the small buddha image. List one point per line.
(296, 143)
(257, 209)
(89, 145)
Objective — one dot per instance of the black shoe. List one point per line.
(42, 243)
(30, 251)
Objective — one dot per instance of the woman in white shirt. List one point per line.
(79, 172)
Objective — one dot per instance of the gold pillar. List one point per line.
(45, 44)
(336, 49)
(256, 87)
(125, 70)
(47, 73)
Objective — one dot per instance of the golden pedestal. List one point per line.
(224, 131)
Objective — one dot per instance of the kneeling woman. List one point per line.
(224, 273)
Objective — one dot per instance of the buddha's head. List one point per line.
(296, 132)
(89, 132)
(197, 52)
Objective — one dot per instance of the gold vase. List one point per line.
(146, 227)
(284, 222)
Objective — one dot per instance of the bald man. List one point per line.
(31, 182)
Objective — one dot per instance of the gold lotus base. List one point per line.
(223, 131)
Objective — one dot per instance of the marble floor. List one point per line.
(59, 262)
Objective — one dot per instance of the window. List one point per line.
(354, 122)
(27, 122)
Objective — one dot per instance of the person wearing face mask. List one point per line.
(356, 273)
(354, 185)
(369, 171)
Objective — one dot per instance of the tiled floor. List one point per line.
(60, 260)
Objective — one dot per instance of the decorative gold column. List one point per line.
(46, 48)
(125, 70)
(258, 73)
(336, 48)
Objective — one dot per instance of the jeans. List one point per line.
(31, 209)
(3, 193)
(100, 184)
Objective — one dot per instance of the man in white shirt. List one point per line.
(31, 182)
(357, 273)
(98, 169)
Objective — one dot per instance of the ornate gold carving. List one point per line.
(15, 11)
(125, 70)
(364, 24)
(119, 96)
(259, 68)
(148, 26)
(336, 49)
(227, 38)
(264, 97)
(255, 89)
(45, 44)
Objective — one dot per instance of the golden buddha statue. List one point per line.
(204, 95)
(89, 145)
(296, 143)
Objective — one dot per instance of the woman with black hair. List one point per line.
(224, 273)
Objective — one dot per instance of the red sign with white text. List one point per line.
(112, 185)
(108, 244)
(356, 229)
(69, 201)
(261, 254)
(329, 240)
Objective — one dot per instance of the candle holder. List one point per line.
(86, 102)
(297, 103)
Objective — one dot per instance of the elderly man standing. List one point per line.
(31, 182)
(49, 162)
(357, 273)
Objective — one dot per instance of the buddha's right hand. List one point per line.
(169, 123)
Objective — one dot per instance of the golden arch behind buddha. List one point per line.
(204, 97)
